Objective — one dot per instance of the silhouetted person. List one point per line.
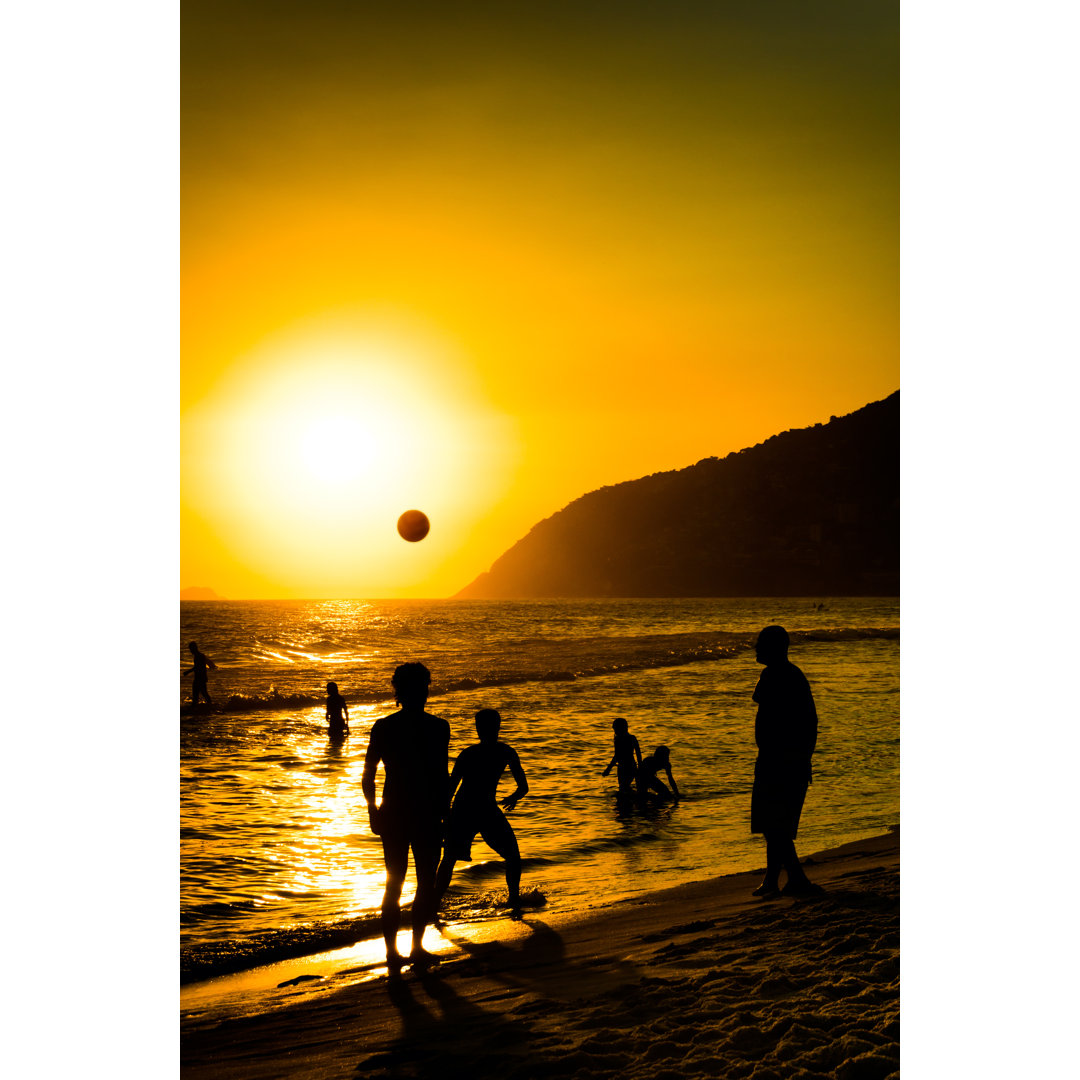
(786, 734)
(198, 683)
(647, 780)
(478, 769)
(413, 747)
(623, 760)
(337, 712)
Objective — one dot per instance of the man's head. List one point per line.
(331, 687)
(620, 725)
(411, 685)
(772, 645)
(193, 647)
(488, 723)
(662, 754)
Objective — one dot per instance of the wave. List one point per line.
(583, 658)
(207, 959)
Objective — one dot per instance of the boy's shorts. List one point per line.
(489, 821)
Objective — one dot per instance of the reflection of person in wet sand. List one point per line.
(413, 747)
(478, 769)
(337, 712)
(626, 750)
(198, 683)
(786, 734)
(647, 780)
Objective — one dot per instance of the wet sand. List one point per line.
(699, 981)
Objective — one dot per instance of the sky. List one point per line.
(480, 259)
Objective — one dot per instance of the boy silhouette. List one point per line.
(626, 749)
(413, 747)
(647, 780)
(198, 683)
(785, 730)
(477, 771)
(337, 712)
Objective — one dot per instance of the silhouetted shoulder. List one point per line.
(780, 682)
(440, 725)
(467, 755)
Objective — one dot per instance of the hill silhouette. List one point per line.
(809, 512)
(199, 592)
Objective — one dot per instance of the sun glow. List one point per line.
(303, 458)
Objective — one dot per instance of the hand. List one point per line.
(509, 803)
(375, 819)
(606, 771)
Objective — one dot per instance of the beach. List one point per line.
(699, 980)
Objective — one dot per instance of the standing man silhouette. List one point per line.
(786, 733)
(198, 682)
(413, 747)
(478, 769)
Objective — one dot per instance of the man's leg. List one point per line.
(774, 863)
(425, 861)
(795, 873)
(396, 858)
(499, 835)
(443, 876)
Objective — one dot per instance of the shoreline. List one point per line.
(701, 978)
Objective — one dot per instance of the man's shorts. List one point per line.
(487, 820)
(399, 832)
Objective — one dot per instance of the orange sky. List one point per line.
(480, 260)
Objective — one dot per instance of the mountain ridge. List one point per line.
(812, 511)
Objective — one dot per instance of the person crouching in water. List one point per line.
(474, 810)
(648, 781)
(785, 730)
(626, 749)
(337, 712)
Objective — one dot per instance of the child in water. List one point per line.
(337, 712)
(626, 749)
(647, 779)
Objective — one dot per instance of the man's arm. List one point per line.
(367, 780)
(518, 774)
(611, 763)
(455, 775)
(637, 750)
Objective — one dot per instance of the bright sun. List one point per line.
(340, 447)
(303, 459)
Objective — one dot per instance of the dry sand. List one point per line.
(699, 981)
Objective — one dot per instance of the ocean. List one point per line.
(276, 855)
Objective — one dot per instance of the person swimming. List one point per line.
(337, 712)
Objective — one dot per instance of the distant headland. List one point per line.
(809, 512)
(198, 592)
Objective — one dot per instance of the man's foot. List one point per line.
(767, 889)
(422, 960)
(802, 889)
(394, 962)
